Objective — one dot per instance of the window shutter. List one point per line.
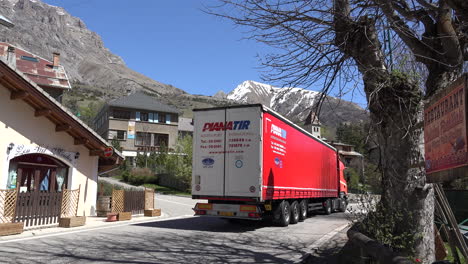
(168, 118)
(137, 116)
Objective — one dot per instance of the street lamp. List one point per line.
(7, 23)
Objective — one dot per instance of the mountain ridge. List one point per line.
(43, 29)
(297, 103)
(99, 75)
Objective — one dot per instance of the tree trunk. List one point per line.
(395, 108)
(404, 218)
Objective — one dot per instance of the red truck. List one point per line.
(250, 162)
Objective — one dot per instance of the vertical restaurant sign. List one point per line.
(131, 130)
(445, 130)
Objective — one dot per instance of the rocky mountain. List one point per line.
(297, 103)
(97, 74)
(43, 29)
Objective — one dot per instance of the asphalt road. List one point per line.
(177, 237)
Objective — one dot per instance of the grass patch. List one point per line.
(165, 190)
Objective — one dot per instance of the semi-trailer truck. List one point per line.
(250, 162)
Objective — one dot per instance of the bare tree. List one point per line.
(342, 42)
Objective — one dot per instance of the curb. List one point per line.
(320, 242)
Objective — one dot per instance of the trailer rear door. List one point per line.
(243, 152)
(208, 153)
(227, 152)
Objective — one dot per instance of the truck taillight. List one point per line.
(254, 215)
(200, 212)
(206, 206)
(248, 208)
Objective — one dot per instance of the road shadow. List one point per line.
(130, 246)
(216, 224)
(211, 224)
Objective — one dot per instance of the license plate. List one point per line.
(226, 213)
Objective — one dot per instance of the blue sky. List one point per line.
(174, 42)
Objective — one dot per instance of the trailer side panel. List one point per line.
(296, 165)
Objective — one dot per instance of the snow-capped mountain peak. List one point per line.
(295, 103)
(252, 92)
(286, 100)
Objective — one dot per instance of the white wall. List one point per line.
(18, 125)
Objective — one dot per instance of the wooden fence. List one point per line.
(70, 201)
(149, 199)
(38, 208)
(7, 205)
(134, 201)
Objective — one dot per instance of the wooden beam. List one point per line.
(42, 112)
(96, 152)
(19, 95)
(62, 127)
(81, 141)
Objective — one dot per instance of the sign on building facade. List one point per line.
(131, 130)
(445, 137)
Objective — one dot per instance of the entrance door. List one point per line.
(39, 198)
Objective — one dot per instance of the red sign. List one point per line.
(108, 152)
(445, 137)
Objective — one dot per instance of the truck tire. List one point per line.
(303, 210)
(282, 214)
(343, 205)
(294, 213)
(327, 207)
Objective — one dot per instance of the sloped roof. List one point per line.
(142, 101)
(21, 87)
(40, 71)
(312, 119)
(350, 153)
(185, 124)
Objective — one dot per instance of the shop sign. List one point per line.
(16, 150)
(131, 130)
(445, 137)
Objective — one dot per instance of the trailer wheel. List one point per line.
(343, 205)
(282, 214)
(294, 212)
(327, 206)
(303, 210)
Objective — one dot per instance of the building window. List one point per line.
(168, 118)
(161, 140)
(120, 114)
(162, 118)
(143, 139)
(144, 116)
(117, 134)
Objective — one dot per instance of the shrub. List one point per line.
(139, 176)
(125, 175)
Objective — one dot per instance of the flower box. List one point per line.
(72, 221)
(112, 217)
(153, 212)
(124, 216)
(7, 229)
